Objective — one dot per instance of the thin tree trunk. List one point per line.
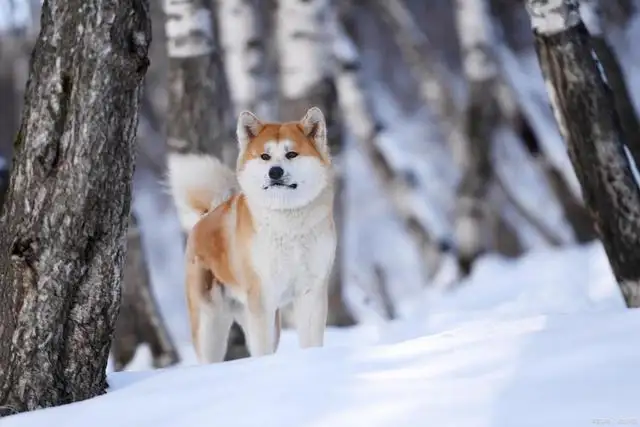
(140, 320)
(359, 116)
(482, 121)
(591, 12)
(200, 116)
(305, 81)
(200, 108)
(589, 123)
(244, 44)
(65, 217)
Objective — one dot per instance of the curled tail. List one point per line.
(198, 183)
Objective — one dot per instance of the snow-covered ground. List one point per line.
(544, 341)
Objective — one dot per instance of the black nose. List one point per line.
(276, 172)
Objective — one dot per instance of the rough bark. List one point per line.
(302, 39)
(589, 123)
(140, 320)
(360, 118)
(65, 217)
(244, 43)
(591, 11)
(200, 116)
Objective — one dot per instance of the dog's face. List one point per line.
(283, 165)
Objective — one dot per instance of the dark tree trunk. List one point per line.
(306, 82)
(200, 116)
(140, 320)
(589, 123)
(65, 216)
(592, 15)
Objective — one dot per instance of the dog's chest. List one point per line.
(291, 262)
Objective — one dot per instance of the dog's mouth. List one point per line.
(280, 183)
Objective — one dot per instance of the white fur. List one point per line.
(189, 173)
(307, 172)
(293, 253)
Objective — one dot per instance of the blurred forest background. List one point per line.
(439, 123)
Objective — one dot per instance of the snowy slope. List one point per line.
(544, 341)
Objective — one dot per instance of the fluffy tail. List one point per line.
(198, 183)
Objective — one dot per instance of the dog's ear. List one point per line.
(315, 127)
(248, 127)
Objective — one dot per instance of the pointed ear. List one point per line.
(248, 127)
(315, 127)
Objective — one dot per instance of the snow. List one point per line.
(544, 341)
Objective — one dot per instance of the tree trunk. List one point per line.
(359, 116)
(482, 120)
(591, 12)
(200, 109)
(588, 121)
(200, 116)
(244, 44)
(140, 320)
(305, 82)
(65, 217)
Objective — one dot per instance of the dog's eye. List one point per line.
(265, 156)
(291, 155)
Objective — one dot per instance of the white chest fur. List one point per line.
(293, 255)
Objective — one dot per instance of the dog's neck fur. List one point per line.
(294, 221)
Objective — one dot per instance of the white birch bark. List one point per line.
(301, 36)
(550, 17)
(244, 46)
(188, 28)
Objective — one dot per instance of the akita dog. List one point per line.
(258, 238)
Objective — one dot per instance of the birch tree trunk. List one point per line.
(140, 320)
(305, 81)
(200, 118)
(65, 217)
(473, 222)
(591, 12)
(359, 116)
(244, 40)
(588, 121)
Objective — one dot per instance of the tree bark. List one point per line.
(200, 118)
(483, 118)
(65, 217)
(140, 320)
(244, 43)
(589, 123)
(305, 81)
(591, 12)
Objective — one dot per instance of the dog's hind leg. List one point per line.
(209, 313)
(216, 319)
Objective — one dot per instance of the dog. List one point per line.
(258, 238)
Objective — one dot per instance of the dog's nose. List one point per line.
(276, 172)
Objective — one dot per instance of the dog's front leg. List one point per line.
(310, 314)
(260, 326)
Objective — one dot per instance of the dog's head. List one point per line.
(283, 165)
